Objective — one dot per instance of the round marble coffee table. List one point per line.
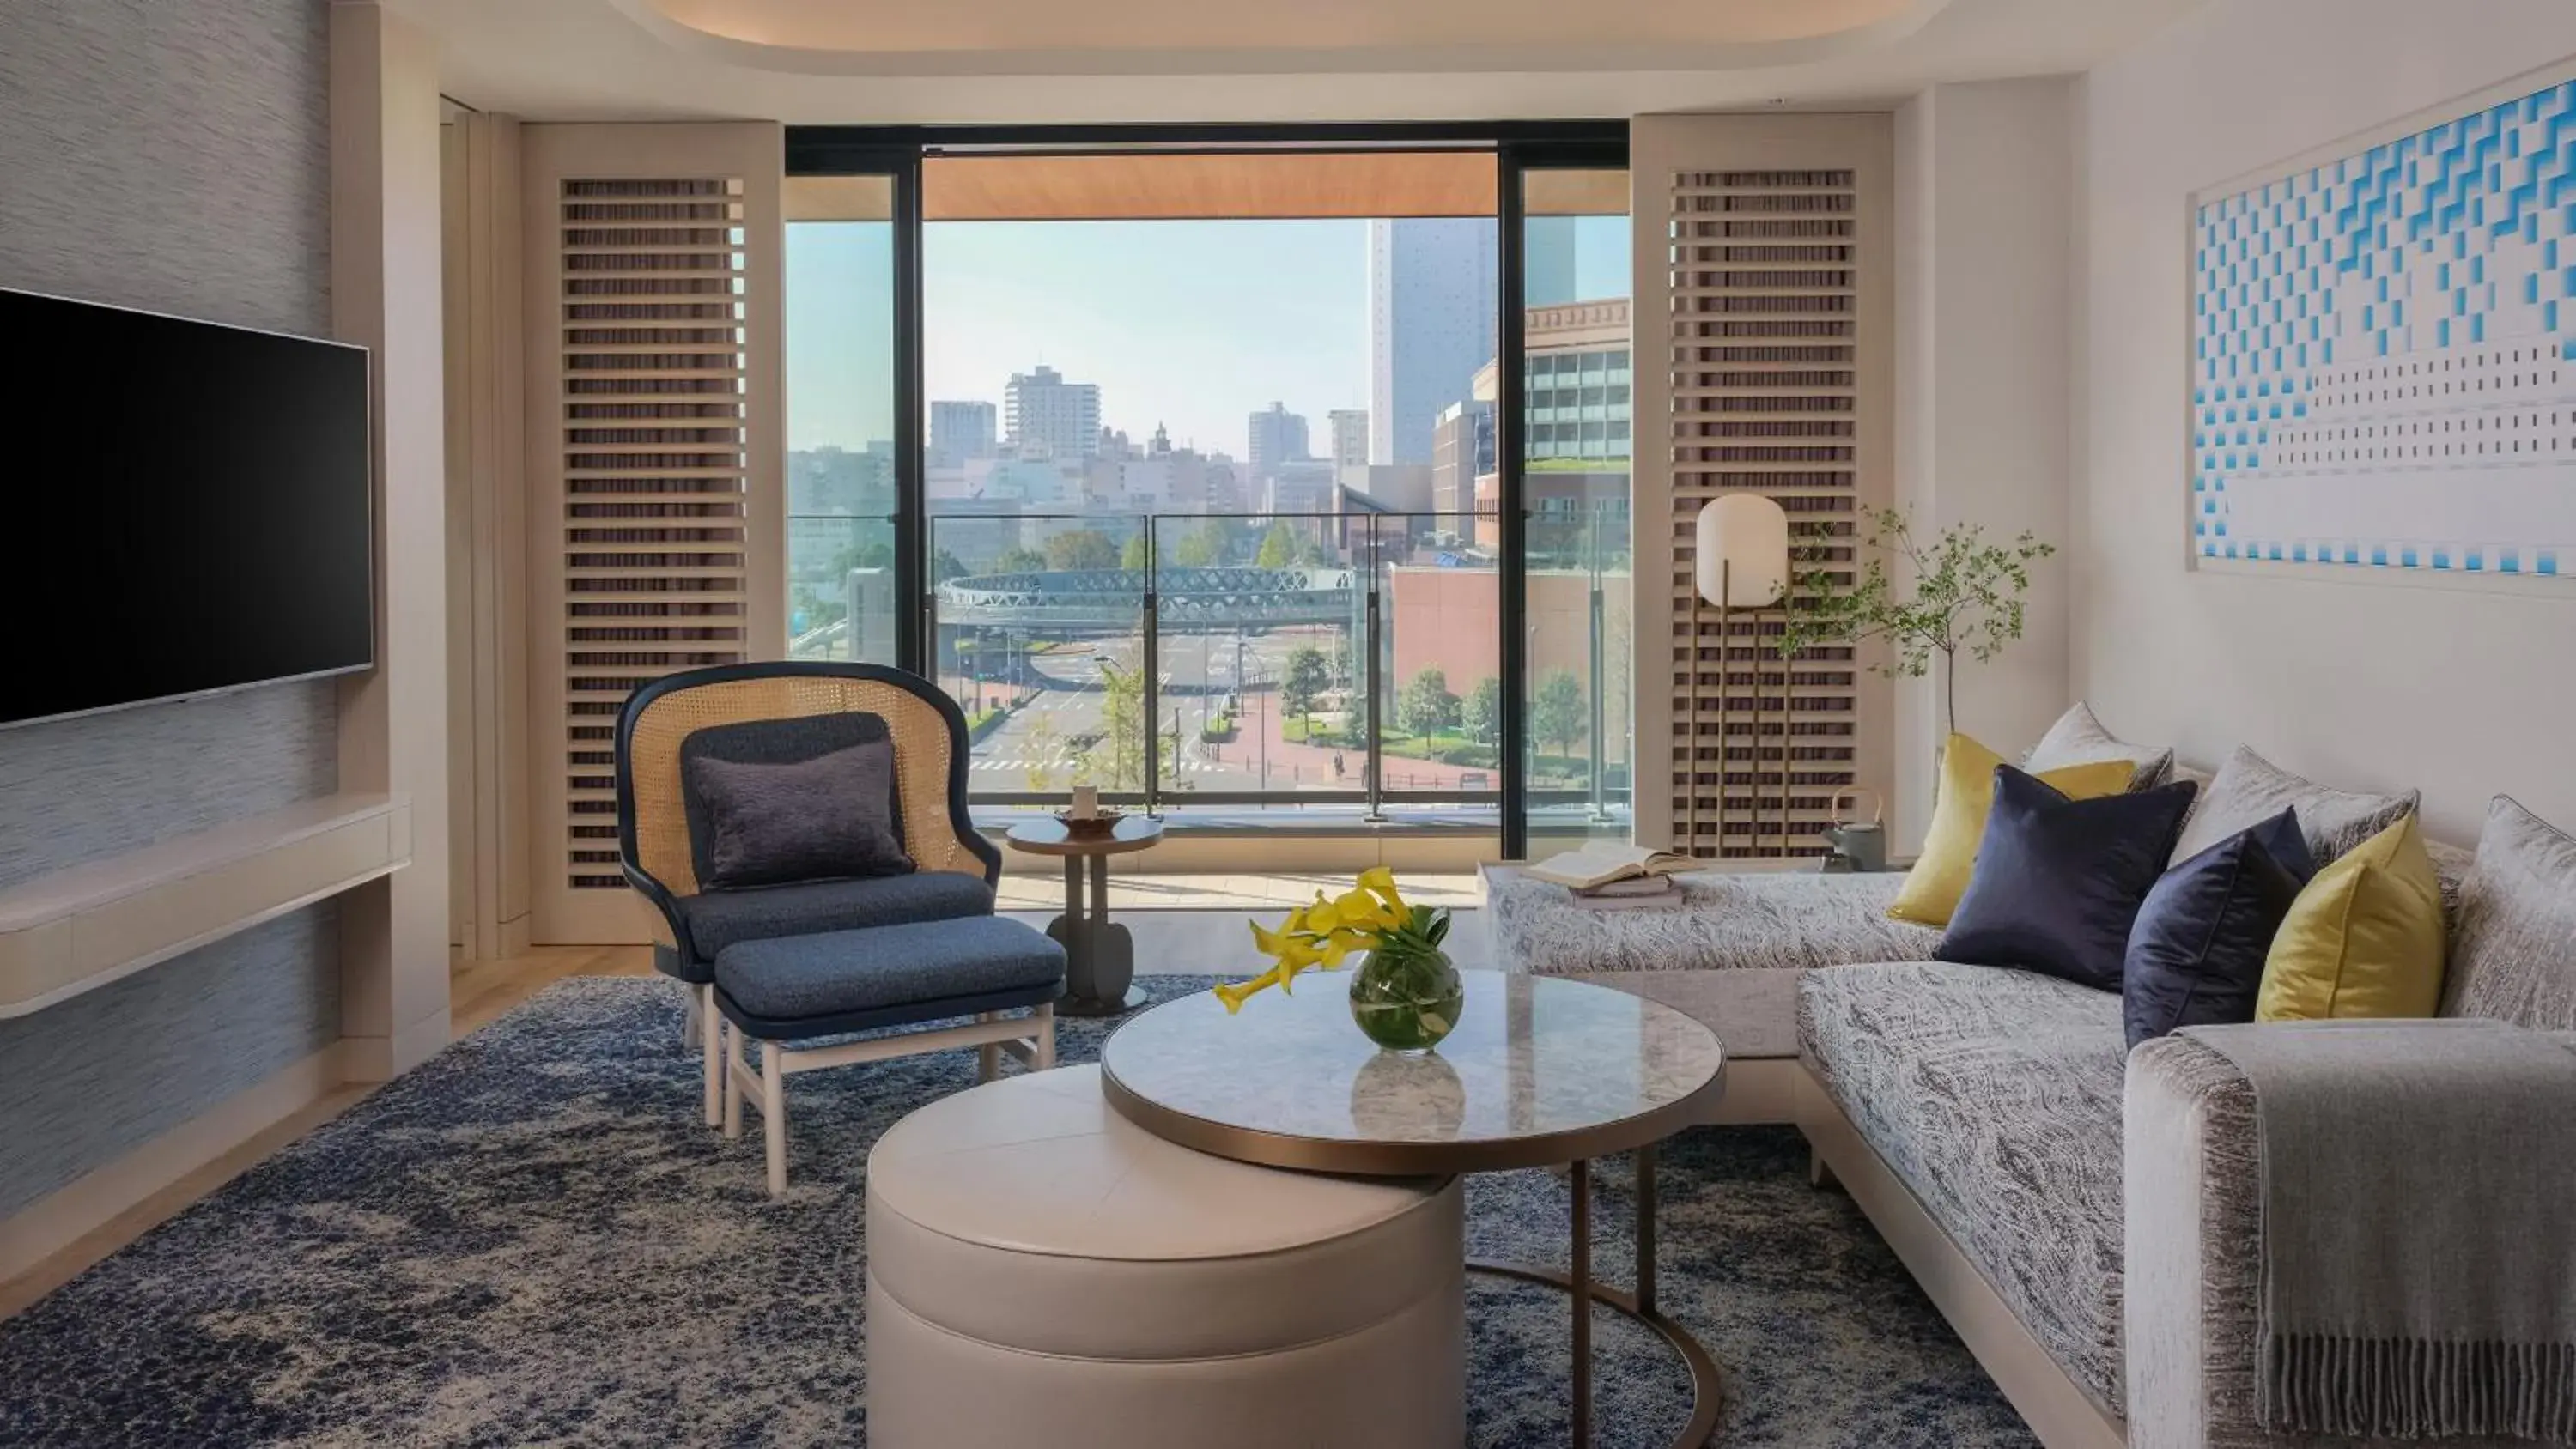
(1539, 1071)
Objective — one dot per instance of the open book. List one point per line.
(1601, 862)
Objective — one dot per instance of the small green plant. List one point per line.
(1964, 595)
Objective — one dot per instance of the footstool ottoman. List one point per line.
(786, 989)
(1040, 1270)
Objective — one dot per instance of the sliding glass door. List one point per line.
(1276, 473)
(1573, 447)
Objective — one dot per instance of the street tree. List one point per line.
(1138, 555)
(1201, 547)
(1279, 547)
(1483, 715)
(1081, 549)
(1561, 715)
(1426, 706)
(1305, 681)
(1020, 559)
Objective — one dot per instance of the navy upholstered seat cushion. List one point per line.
(718, 919)
(845, 972)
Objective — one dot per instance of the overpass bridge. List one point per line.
(1078, 601)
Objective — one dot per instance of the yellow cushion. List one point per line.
(1940, 875)
(2365, 938)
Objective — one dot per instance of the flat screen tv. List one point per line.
(188, 509)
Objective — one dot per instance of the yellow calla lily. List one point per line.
(1323, 934)
(1233, 993)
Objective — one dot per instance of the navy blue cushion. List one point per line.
(2058, 882)
(2197, 949)
(832, 975)
(718, 919)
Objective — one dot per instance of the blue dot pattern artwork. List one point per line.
(2384, 353)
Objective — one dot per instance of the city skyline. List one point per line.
(1188, 325)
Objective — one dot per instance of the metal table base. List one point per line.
(1707, 1383)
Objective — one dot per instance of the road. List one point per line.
(1062, 700)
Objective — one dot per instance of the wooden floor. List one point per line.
(480, 992)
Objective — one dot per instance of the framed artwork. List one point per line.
(2383, 358)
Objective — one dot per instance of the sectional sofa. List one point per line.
(2087, 1217)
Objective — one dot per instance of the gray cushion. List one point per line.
(849, 971)
(2079, 739)
(827, 818)
(2513, 956)
(2249, 790)
(780, 741)
(719, 919)
(1995, 1095)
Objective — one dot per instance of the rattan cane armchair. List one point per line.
(955, 868)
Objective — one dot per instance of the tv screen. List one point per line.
(189, 508)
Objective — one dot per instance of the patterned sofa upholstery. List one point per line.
(1995, 1096)
(2111, 1199)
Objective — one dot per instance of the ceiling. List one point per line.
(862, 62)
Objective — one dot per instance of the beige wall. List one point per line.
(2369, 684)
(1983, 203)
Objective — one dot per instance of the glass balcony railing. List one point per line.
(1276, 660)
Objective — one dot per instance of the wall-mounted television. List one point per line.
(187, 510)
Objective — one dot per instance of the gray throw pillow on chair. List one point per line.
(2249, 790)
(826, 818)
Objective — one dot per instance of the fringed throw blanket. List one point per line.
(2419, 1226)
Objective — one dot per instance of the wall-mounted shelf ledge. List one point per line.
(77, 930)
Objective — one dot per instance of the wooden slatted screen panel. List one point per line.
(1775, 352)
(657, 429)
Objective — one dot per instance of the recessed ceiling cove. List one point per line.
(1179, 37)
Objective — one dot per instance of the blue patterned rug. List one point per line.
(530, 1239)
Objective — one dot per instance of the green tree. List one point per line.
(950, 566)
(1279, 547)
(1081, 549)
(1138, 555)
(1115, 759)
(1307, 677)
(1426, 705)
(877, 555)
(1966, 594)
(1561, 715)
(1201, 547)
(1019, 559)
(1483, 715)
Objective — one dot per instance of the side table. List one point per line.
(1100, 955)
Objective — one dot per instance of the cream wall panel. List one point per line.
(1763, 364)
(654, 426)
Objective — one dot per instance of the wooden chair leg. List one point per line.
(733, 1071)
(703, 1009)
(988, 1057)
(689, 1019)
(1045, 1047)
(773, 1114)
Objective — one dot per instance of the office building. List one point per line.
(1043, 413)
(1431, 325)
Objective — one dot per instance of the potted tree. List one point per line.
(1962, 594)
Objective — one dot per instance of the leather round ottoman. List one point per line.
(1041, 1270)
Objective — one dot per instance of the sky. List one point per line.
(1191, 324)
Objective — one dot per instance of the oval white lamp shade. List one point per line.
(1743, 548)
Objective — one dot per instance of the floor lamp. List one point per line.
(1742, 562)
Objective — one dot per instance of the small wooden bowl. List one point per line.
(1099, 827)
